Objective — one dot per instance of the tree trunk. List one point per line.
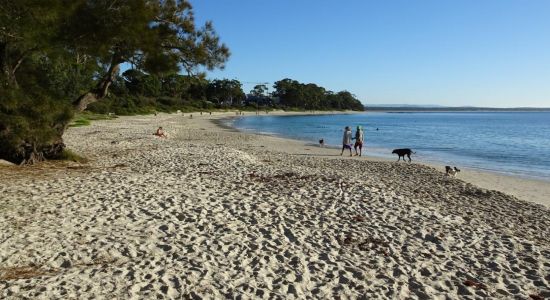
(102, 88)
(83, 101)
(3, 56)
(4, 64)
(29, 153)
(9, 67)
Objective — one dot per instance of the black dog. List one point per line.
(402, 153)
(321, 142)
(451, 171)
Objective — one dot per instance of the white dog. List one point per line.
(451, 171)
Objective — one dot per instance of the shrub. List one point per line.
(69, 155)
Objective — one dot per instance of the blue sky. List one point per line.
(483, 53)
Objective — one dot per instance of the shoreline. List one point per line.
(532, 189)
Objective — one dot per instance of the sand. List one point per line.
(214, 213)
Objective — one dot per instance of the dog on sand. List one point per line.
(451, 171)
(321, 143)
(402, 152)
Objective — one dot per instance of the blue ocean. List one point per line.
(514, 143)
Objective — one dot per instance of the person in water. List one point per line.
(346, 141)
(359, 137)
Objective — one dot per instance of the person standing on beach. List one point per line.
(359, 137)
(346, 141)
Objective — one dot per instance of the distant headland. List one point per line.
(438, 108)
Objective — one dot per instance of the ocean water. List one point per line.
(514, 143)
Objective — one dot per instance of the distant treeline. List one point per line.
(451, 109)
(311, 96)
(135, 91)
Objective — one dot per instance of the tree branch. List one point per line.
(102, 87)
(6, 33)
(21, 58)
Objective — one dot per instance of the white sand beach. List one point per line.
(214, 213)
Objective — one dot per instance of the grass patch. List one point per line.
(85, 118)
(80, 122)
(94, 117)
(71, 156)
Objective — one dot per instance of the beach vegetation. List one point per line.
(136, 92)
(225, 92)
(259, 90)
(69, 155)
(85, 118)
(294, 94)
(78, 122)
(57, 57)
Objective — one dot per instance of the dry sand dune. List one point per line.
(214, 213)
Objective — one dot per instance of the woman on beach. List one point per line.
(160, 133)
(359, 137)
(346, 141)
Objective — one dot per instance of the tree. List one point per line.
(139, 83)
(294, 94)
(259, 90)
(225, 92)
(58, 56)
(174, 85)
(158, 36)
(289, 92)
(37, 79)
(313, 95)
(196, 89)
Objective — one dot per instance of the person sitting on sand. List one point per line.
(359, 137)
(346, 141)
(160, 132)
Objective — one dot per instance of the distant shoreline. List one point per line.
(453, 109)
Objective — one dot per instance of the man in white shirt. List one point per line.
(346, 141)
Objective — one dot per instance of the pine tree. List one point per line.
(58, 56)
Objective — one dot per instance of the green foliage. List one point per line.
(125, 105)
(139, 83)
(69, 155)
(158, 36)
(225, 92)
(293, 94)
(61, 55)
(80, 122)
(28, 123)
(136, 92)
(259, 90)
(85, 118)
